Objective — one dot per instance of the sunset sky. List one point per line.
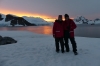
(51, 8)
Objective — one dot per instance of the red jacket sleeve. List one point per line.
(73, 25)
(53, 29)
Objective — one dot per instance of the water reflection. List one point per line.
(36, 29)
(82, 30)
(47, 30)
(88, 31)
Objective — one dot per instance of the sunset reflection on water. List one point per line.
(35, 29)
(41, 29)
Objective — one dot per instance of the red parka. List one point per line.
(69, 25)
(58, 31)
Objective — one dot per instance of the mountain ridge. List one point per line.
(24, 21)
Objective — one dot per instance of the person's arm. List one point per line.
(73, 25)
(53, 30)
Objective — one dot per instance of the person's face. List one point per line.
(66, 18)
(60, 18)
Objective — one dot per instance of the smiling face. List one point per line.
(60, 17)
(66, 16)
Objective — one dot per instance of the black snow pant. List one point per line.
(66, 37)
(57, 40)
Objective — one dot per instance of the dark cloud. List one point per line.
(54, 7)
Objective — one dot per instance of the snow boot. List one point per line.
(75, 53)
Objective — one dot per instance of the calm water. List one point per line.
(82, 30)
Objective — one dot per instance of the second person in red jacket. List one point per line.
(58, 33)
(69, 27)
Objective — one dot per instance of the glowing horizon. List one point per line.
(20, 14)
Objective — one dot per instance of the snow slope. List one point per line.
(33, 20)
(36, 20)
(39, 50)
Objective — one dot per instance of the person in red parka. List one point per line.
(69, 27)
(58, 33)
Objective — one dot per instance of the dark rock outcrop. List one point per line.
(1, 38)
(17, 20)
(7, 40)
(1, 17)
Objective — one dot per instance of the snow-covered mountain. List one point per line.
(29, 20)
(36, 20)
(83, 20)
(2, 22)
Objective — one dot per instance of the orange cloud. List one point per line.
(20, 13)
